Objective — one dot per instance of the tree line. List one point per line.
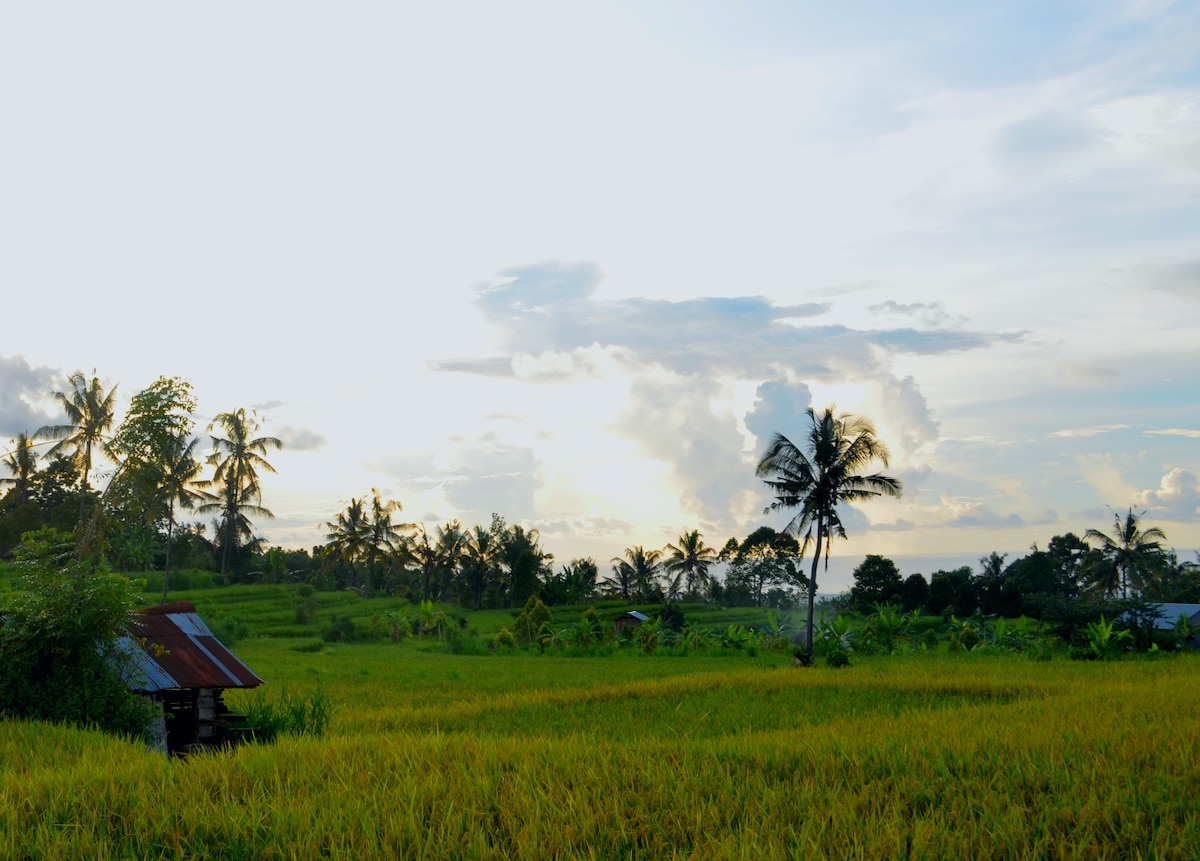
(149, 472)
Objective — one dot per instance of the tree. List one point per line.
(157, 467)
(574, 583)
(914, 593)
(349, 533)
(876, 581)
(689, 560)
(820, 476)
(479, 565)
(636, 576)
(237, 456)
(21, 463)
(1132, 556)
(523, 562)
(90, 414)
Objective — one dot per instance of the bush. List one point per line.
(504, 641)
(60, 659)
(341, 630)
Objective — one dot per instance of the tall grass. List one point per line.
(440, 756)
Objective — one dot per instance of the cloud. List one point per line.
(548, 308)
(964, 513)
(779, 407)
(1182, 279)
(1190, 433)
(1177, 496)
(25, 396)
(268, 405)
(1048, 138)
(928, 313)
(1073, 433)
(300, 439)
(673, 421)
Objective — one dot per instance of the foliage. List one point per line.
(1104, 641)
(534, 622)
(820, 475)
(1132, 557)
(876, 581)
(60, 659)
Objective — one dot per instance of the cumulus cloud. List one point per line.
(25, 393)
(927, 313)
(1176, 498)
(300, 439)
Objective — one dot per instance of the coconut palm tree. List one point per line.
(178, 482)
(636, 576)
(688, 561)
(1131, 555)
(90, 413)
(479, 566)
(818, 476)
(349, 533)
(237, 456)
(21, 463)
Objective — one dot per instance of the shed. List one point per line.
(183, 669)
(632, 619)
(1172, 612)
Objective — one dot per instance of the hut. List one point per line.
(632, 619)
(180, 666)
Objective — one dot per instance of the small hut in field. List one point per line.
(184, 670)
(632, 619)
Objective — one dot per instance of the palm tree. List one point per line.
(637, 574)
(689, 560)
(21, 464)
(90, 412)
(349, 534)
(179, 483)
(479, 563)
(238, 456)
(1131, 556)
(820, 476)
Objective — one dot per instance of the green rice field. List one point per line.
(630, 756)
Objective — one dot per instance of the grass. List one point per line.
(431, 755)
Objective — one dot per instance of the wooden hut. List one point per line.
(632, 619)
(184, 670)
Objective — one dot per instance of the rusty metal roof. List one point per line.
(173, 648)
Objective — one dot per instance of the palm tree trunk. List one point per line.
(167, 563)
(812, 584)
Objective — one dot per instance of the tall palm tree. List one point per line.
(90, 412)
(349, 534)
(820, 476)
(384, 534)
(689, 560)
(479, 563)
(21, 463)
(237, 456)
(179, 482)
(636, 575)
(1131, 554)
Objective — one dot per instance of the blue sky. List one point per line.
(573, 262)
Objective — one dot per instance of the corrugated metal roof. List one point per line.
(1172, 612)
(641, 617)
(177, 650)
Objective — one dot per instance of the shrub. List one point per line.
(504, 641)
(341, 630)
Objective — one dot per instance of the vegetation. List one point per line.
(820, 475)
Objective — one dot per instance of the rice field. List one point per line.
(534, 757)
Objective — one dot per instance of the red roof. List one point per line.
(181, 652)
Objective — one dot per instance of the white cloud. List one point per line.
(1176, 498)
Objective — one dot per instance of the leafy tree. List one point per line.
(689, 559)
(60, 659)
(358, 535)
(349, 533)
(1133, 557)
(953, 592)
(157, 466)
(237, 456)
(90, 415)
(820, 475)
(876, 581)
(914, 593)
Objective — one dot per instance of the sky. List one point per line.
(576, 263)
